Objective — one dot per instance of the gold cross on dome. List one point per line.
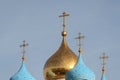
(103, 57)
(24, 45)
(79, 38)
(64, 14)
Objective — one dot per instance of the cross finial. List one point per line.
(79, 44)
(24, 45)
(103, 57)
(64, 14)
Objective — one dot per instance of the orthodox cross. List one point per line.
(24, 45)
(64, 14)
(103, 57)
(79, 44)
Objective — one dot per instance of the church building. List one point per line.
(64, 64)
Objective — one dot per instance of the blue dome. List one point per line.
(80, 71)
(103, 77)
(22, 74)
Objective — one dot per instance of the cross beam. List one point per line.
(103, 57)
(64, 14)
(79, 39)
(24, 45)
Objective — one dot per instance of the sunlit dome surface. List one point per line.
(80, 71)
(103, 77)
(22, 74)
(60, 62)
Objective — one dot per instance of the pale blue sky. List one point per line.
(37, 22)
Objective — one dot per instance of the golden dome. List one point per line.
(60, 62)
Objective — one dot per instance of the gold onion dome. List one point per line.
(61, 61)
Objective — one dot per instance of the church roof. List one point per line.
(103, 77)
(22, 74)
(80, 71)
(61, 61)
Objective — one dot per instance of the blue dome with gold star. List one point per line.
(80, 71)
(22, 74)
